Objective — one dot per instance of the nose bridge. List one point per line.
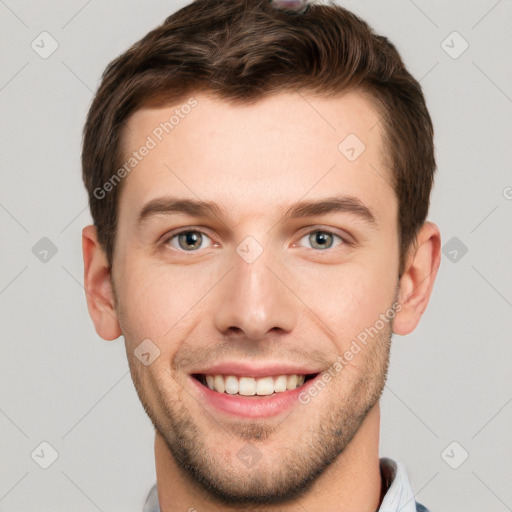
(253, 300)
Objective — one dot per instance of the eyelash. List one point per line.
(192, 229)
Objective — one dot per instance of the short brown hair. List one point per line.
(245, 50)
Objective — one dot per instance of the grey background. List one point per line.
(60, 383)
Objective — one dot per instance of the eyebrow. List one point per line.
(169, 205)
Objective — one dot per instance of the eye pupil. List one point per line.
(320, 238)
(190, 238)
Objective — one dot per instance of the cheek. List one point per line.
(157, 302)
(141, 301)
(350, 298)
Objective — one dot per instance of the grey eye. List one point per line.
(188, 240)
(290, 6)
(319, 239)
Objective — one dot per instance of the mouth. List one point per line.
(252, 389)
(247, 386)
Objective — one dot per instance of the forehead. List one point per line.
(251, 157)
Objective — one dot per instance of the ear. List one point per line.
(98, 288)
(418, 278)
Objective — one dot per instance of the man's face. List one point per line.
(250, 292)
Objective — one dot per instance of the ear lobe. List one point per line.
(418, 278)
(98, 288)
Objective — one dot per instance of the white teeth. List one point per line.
(265, 386)
(291, 382)
(218, 383)
(280, 384)
(231, 385)
(248, 386)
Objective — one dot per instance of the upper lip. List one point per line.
(257, 369)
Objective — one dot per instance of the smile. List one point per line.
(250, 386)
(250, 397)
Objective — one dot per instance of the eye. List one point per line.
(191, 240)
(322, 239)
(188, 240)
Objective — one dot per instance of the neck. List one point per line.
(351, 482)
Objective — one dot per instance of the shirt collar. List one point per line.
(399, 496)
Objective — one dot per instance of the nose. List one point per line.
(255, 298)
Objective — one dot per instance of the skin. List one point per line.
(298, 301)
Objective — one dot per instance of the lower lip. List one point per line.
(252, 406)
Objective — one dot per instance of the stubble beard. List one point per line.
(291, 473)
